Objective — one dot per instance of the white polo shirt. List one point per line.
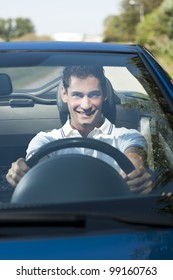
(120, 138)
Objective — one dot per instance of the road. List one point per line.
(122, 79)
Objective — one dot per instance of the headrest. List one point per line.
(109, 105)
(5, 84)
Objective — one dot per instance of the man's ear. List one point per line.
(64, 94)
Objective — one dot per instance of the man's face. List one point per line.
(84, 99)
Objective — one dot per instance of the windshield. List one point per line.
(132, 101)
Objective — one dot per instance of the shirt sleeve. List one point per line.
(37, 142)
(131, 138)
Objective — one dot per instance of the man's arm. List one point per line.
(140, 180)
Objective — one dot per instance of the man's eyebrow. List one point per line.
(76, 92)
(93, 91)
(96, 90)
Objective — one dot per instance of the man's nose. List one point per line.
(85, 103)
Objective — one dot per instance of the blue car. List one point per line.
(77, 207)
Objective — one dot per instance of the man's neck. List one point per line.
(86, 129)
(83, 130)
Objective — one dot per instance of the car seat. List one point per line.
(6, 87)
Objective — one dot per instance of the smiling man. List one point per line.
(84, 92)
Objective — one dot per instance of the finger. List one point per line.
(144, 188)
(124, 175)
(19, 167)
(21, 163)
(12, 179)
(17, 171)
(147, 190)
(140, 180)
(138, 172)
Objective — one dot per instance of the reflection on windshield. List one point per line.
(31, 79)
(166, 202)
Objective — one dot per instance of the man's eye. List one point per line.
(77, 94)
(94, 94)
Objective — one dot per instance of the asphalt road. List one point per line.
(122, 79)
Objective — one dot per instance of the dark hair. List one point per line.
(82, 72)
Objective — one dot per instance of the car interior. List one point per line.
(24, 115)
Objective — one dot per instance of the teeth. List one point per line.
(85, 113)
(88, 114)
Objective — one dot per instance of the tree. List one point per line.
(148, 5)
(157, 25)
(133, 12)
(167, 8)
(147, 30)
(113, 29)
(150, 25)
(156, 31)
(14, 28)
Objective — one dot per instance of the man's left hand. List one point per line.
(140, 180)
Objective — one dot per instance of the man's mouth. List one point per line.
(86, 113)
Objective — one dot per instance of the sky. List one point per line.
(57, 16)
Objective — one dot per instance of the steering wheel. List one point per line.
(72, 177)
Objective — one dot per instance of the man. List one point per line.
(84, 92)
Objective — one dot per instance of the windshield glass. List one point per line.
(139, 126)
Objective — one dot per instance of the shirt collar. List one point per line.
(68, 131)
(106, 127)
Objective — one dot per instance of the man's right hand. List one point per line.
(17, 171)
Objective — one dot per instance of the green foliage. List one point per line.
(13, 28)
(23, 26)
(148, 29)
(167, 9)
(156, 31)
(147, 22)
(126, 24)
(168, 49)
(149, 5)
(113, 29)
(155, 24)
